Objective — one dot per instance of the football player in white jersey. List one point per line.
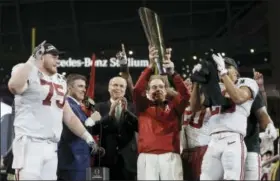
(226, 152)
(258, 118)
(194, 139)
(40, 108)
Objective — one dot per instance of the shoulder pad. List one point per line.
(17, 65)
(250, 83)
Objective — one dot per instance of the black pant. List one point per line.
(119, 172)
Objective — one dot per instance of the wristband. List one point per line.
(223, 72)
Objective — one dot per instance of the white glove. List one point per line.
(271, 131)
(88, 138)
(219, 60)
(196, 68)
(37, 53)
(93, 119)
(91, 143)
(169, 67)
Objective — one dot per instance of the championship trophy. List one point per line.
(152, 28)
(97, 173)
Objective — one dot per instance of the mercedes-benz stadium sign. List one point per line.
(112, 62)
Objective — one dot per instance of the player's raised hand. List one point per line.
(121, 56)
(37, 53)
(258, 78)
(39, 50)
(219, 60)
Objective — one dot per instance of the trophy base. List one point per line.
(97, 173)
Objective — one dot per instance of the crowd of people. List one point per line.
(206, 127)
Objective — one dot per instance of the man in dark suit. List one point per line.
(118, 136)
(73, 152)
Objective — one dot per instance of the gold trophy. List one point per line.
(152, 28)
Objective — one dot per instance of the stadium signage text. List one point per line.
(104, 63)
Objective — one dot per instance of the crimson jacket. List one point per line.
(159, 127)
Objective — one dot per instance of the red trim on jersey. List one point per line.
(259, 167)
(242, 174)
(17, 174)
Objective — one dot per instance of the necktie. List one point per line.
(118, 112)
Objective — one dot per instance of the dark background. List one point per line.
(189, 27)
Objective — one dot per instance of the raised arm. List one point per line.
(181, 100)
(18, 82)
(139, 92)
(247, 88)
(240, 94)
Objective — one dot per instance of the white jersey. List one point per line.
(39, 109)
(235, 118)
(195, 128)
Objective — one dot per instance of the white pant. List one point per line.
(34, 159)
(224, 158)
(253, 166)
(167, 166)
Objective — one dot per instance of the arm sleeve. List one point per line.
(182, 99)
(251, 84)
(139, 92)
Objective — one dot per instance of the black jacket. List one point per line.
(118, 138)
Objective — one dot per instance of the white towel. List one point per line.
(19, 147)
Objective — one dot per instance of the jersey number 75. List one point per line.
(53, 87)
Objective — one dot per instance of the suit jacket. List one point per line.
(118, 138)
(73, 152)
